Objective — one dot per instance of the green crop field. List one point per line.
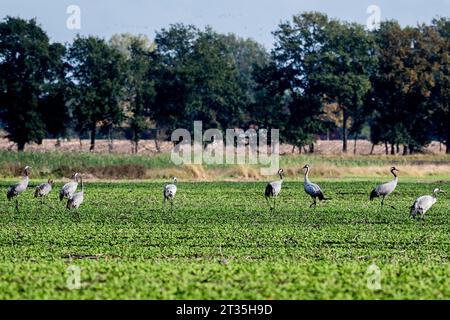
(221, 242)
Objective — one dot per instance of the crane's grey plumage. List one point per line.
(18, 188)
(312, 189)
(385, 189)
(43, 189)
(273, 189)
(76, 199)
(424, 203)
(69, 188)
(169, 192)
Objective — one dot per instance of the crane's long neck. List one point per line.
(393, 173)
(395, 176)
(26, 178)
(307, 175)
(281, 175)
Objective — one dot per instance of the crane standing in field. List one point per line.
(273, 189)
(69, 188)
(18, 188)
(43, 189)
(76, 199)
(385, 189)
(424, 203)
(312, 189)
(169, 193)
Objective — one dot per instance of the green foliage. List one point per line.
(221, 242)
(406, 84)
(441, 71)
(29, 69)
(139, 87)
(394, 80)
(98, 74)
(196, 79)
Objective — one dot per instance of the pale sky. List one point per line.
(255, 19)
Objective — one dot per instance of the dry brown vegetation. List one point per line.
(149, 147)
(327, 162)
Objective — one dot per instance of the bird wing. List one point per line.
(312, 189)
(77, 198)
(425, 202)
(276, 187)
(69, 188)
(386, 188)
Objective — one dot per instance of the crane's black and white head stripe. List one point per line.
(26, 170)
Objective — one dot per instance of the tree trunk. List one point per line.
(110, 142)
(293, 149)
(405, 149)
(311, 148)
(93, 130)
(344, 131)
(20, 146)
(386, 147)
(392, 149)
(447, 143)
(398, 148)
(373, 148)
(354, 144)
(136, 146)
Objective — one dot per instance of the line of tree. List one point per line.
(321, 74)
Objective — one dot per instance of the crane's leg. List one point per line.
(46, 202)
(17, 205)
(171, 204)
(268, 203)
(274, 202)
(314, 203)
(164, 203)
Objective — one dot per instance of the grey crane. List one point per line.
(385, 189)
(312, 189)
(18, 188)
(75, 200)
(273, 189)
(43, 190)
(424, 203)
(69, 188)
(169, 192)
